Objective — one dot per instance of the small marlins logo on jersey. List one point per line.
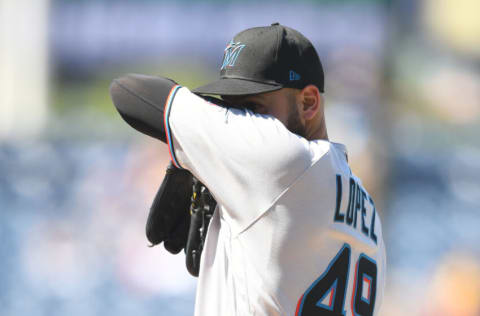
(231, 54)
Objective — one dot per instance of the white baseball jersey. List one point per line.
(294, 233)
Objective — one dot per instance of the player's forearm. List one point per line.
(140, 100)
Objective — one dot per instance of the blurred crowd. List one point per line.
(402, 92)
(73, 217)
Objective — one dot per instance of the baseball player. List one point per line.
(294, 232)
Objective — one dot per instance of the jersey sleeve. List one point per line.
(140, 100)
(246, 160)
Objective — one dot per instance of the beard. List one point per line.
(294, 124)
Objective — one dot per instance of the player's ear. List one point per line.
(311, 101)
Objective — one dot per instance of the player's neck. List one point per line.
(317, 129)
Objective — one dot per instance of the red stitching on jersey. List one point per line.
(298, 304)
(365, 280)
(354, 290)
(331, 296)
(165, 112)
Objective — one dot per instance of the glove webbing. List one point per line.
(201, 210)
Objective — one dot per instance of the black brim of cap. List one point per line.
(235, 86)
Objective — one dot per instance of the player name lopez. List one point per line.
(360, 209)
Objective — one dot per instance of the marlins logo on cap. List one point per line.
(231, 54)
(266, 58)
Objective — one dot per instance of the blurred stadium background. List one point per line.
(402, 90)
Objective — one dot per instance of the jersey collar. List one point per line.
(341, 147)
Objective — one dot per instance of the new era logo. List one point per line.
(294, 76)
(231, 54)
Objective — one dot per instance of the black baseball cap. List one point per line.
(263, 59)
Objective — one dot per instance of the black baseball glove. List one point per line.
(201, 212)
(180, 215)
(169, 217)
(182, 208)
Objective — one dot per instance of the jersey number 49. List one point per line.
(326, 296)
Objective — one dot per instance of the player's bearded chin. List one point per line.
(294, 124)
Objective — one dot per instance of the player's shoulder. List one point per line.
(291, 149)
(329, 157)
(321, 149)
